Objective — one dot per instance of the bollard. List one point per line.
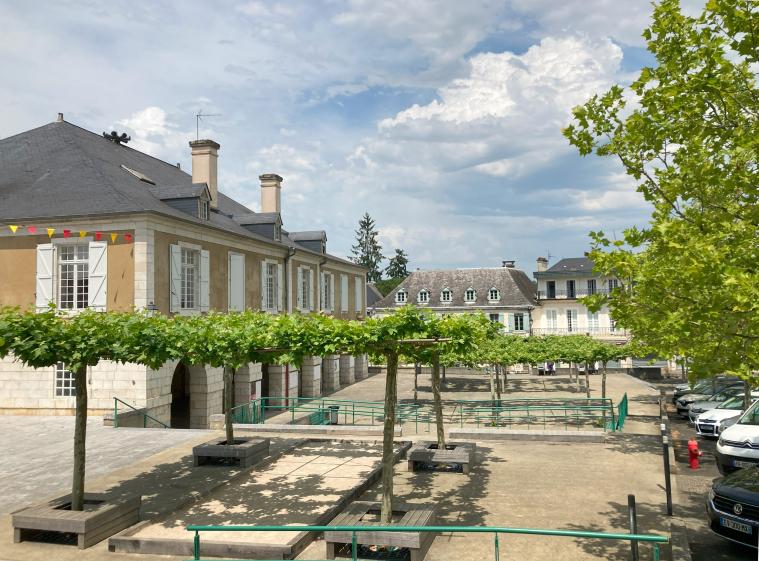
(632, 516)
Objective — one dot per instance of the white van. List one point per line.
(738, 445)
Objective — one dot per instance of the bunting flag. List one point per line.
(82, 233)
(66, 233)
(13, 228)
(50, 232)
(32, 229)
(113, 237)
(128, 237)
(98, 236)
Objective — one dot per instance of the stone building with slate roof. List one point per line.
(505, 294)
(181, 247)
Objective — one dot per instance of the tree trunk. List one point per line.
(438, 401)
(228, 405)
(80, 439)
(498, 382)
(746, 394)
(443, 367)
(492, 387)
(587, 380)
(684, 372)
(505, 379)
(417, 368)
(603, 388)
(391, 393)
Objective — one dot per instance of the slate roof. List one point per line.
(516, 288)
(60, 170)
(373, 295)
(257, 217)
(572, 265)
(309, 235)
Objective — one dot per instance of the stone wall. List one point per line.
(361, 367)
(347, 370)
(311, 376)
(283, 383)
(330, 374)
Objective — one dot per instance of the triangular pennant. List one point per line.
(113, 237)
(98, 235)
(128, 237)
(13, 228)
(50, 232)
(32, 229)
(82, 233)
(66, 233)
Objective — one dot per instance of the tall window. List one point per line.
(328, 297)
(551, 289)
(613, 283)
(189, 280)
(205, 210)
(591, 286)
(519, 322)
(496, 318)
(446, 295)
(494, 294)
(270, 286)
(424, 296)
(570, 289)
(73, 275)
(64, 381)
(305, 289)
(552, 319)
(571, 320)
(470, 295)
(593, 322)
(400, 296)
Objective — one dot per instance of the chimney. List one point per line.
(507, 264)
(271, 187)
(60, 118)
(205, 153)
(541, 264)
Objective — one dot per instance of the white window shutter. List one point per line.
(299, 290)
(358, 293)
(263, 285)
(322, 304)
(280, 285)
(205, 273)
(98, 281)
(343, 293)
(511, 321)
(45, 292)
(311, 297)
(175, 287)
(236, 282)
(331, 292)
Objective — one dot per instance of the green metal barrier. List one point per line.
(498, 532)
(622, 408)
(142, 412)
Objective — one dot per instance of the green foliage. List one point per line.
(386, 286)
(397, 268)
(690, 286)
(367, 251)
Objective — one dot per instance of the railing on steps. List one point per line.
(142, 412)
(499, 534)
(622, 415)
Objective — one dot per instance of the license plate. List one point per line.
(742, 464)
(727, 523)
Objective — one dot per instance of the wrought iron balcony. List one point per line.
(593, 332)
(569, 294)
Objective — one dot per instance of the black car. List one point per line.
(706, 385)
(733, 506)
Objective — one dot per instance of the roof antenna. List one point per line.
(198, 117)
(548, 255)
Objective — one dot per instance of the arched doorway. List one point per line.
(180, 397)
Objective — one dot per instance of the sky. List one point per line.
(441, 119)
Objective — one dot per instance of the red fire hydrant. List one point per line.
(694, 453)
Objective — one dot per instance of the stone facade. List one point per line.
(330, 374)
(283, 383)
(347, 370)
(361, 367)
(311, 376)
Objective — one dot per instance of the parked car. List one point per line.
(738, 445)
(684, 401)
(698, 407)
(711, 423)
(733, 507)
(707, 385)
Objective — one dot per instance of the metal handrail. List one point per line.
(654, 539)
(142, 412)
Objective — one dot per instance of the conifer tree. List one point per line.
(367, 251)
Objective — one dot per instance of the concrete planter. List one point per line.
(426, 453)
(366, 514)
(102, 517)
(245, 452)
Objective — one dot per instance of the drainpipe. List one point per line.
(288, 279)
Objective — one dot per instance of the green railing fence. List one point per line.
(142, 412)
(498, 534)
(622, 415)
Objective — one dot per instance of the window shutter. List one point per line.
(358, 292)
(98, 276)
(236, 282)
(299, 290)
(263, 285)
(205, 267)
(176, 277)
(280, 285)
(45, 267)
(311, 289)
(511, 321)
(343, 293)
(331, 292)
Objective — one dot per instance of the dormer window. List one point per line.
(278, 232)
(204, 210)
(400, 296)
(423, 297)
(494, 295)
(470, 295)
(446, 295)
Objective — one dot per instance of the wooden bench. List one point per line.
(427, 453)
(413, 515)
(102, 518)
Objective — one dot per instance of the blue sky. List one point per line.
(441, 119)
